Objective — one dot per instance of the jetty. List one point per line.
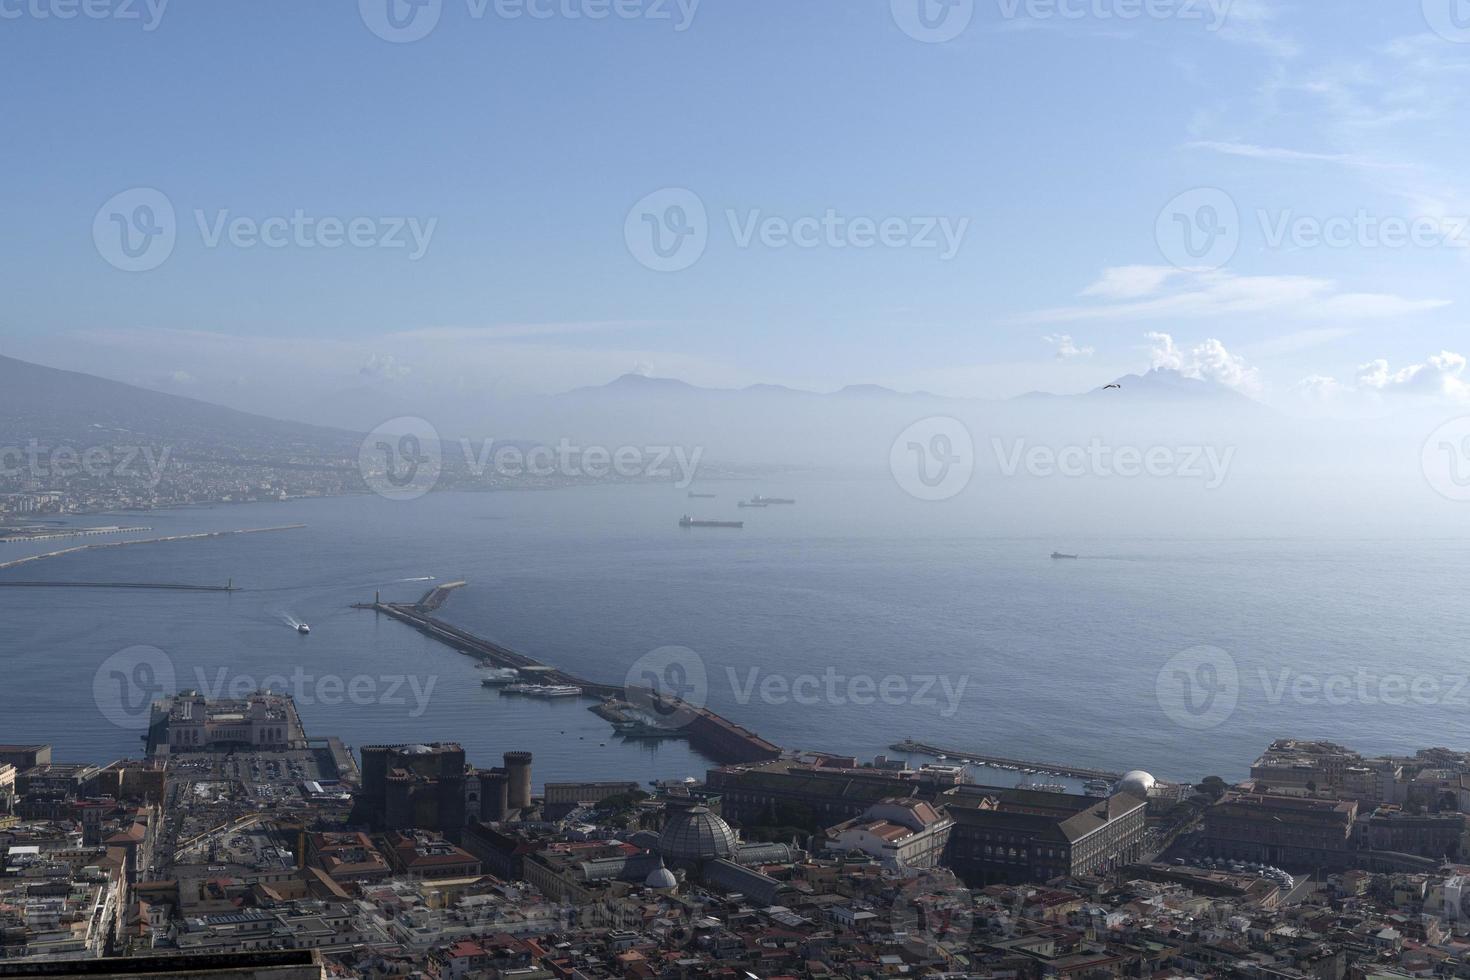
(155, 586)
(982, 758)
(715, 736)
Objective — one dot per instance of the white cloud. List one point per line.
(1439, 378)
(1208, 361)
(1130, 281)
(1066, 347)
(1441, 374)
(1154, 292)
(384, 367)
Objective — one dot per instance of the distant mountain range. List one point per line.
(46, 403)
(757, 424)
(1157, 384)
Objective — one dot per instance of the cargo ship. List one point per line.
(758, 499)
(687, 521)
(1058, 554)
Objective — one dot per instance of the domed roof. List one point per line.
(1137, 783)
(661, 877)
(696, 834)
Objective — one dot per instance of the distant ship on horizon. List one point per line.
(687, 521)
(700, 496)
(758, 499)
(1058, 554)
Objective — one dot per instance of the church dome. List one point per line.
(696, 834)
(661, 878)
(1137, 783)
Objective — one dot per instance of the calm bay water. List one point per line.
(983, 640)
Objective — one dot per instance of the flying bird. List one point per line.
(1106, 387)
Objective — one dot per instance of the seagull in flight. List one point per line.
(1106, 387)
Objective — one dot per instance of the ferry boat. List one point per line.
(687, 521)
(544, 690)
(499, 676)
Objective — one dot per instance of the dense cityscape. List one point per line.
(240, 841)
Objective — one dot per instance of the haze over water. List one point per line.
(1017, 654)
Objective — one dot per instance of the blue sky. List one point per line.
(1052, 136)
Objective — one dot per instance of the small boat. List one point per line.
(1058, 555)
(303, 628)
(758, 499)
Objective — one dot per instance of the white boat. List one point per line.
(302, 628)
(499, 676)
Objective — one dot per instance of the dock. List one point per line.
(157, 586)
(715, 736)
(967, 755)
